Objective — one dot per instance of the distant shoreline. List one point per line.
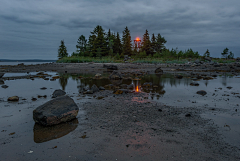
(27, 60)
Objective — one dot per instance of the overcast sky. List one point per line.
(33, 29)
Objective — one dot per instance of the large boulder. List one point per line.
(58, 110)
(58, 93)
(1, 75)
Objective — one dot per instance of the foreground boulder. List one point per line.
(1, 75)
(58, 93)
(58, 110)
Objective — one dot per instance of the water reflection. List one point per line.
(44, 134)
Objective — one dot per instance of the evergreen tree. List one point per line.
(160, 43)
(153, 43)
(225, 53)
(81, 45)
(146, 44)
(207, 53)
(117, 45)
(231, 55)
(62, 50)
(127, 45)
(97, 40)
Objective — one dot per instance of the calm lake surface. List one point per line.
(221, 103)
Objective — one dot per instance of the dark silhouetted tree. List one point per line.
(117, 45)
(207, 53)
(160, 43)
(62, 50)
(81, 45)
(146, 44)
(127, 45)
(225, 53)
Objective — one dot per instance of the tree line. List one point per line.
(101, 44)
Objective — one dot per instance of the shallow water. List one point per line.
(220, 102)
(25, 63)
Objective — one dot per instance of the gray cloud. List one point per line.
(36, 27)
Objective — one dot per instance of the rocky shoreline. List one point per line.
(127, 125)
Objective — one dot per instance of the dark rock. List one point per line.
(216, 65)
(4, 86)
(52, 79)
(43, 88)
(88, 92)
(202, 92)
(94, 88)
(179, 76)
(1, 75)
(58, 93)
(34, 99)
(109, 86)
(188, 115)
(194, 84)
(115, 76)
(58, 110)
(13, 98)
(101, 88)
(229, 87)
(110, 67)
(159, 71)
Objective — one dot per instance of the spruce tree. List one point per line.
(62, 50)
(81, 45)
(146, 44)
(160, 43)
(153, 43)
(127, 45)
(117, 45)
(207, 53)
(98, 40)
(225, 53)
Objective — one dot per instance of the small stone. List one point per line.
(13, 98)
(4, 86)
(202, 92)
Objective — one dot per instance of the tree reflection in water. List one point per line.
(155, 91)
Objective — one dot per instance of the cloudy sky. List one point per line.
(32, 29)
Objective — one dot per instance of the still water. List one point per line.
(221, 103)
(19, 62)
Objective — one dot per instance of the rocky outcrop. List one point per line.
(58, 110)
(13, 98)
(58, 93)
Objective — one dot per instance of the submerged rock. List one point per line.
(194, 84)
(58, 110)
(4, 86)
(13, 98)
(202, 92)
(58, 93)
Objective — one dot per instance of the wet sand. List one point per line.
(112, 127)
